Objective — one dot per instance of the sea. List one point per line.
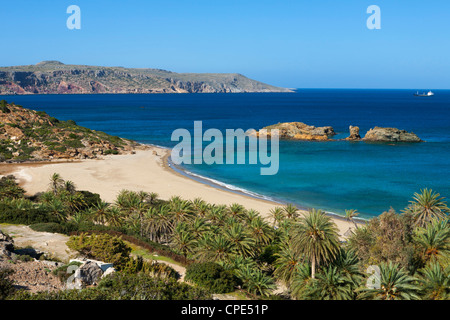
(332, 176)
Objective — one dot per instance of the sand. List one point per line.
(146, 170)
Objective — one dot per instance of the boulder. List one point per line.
(6, 245)
(108, 272)
(354, 133)
(88, 274)
(379, 134)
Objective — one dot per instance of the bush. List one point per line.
(108, 152)
(51, 227)
(149, 245)
(154, 269)
(211, 276)
(10, 214)
(9, 188)
(61, 272)
(90, 199)
(121, 286)
(3, 106)
(6, 284)
(101, 247)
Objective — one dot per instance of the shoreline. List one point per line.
(149, 170)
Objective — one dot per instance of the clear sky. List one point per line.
(296, 44)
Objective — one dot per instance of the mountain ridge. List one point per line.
(55, 77)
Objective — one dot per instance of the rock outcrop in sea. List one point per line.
(379, 134)
(301, 131)
(354, 134)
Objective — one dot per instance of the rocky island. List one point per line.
(302, 131)
(379, 134)
(54, 77)
(34, 135)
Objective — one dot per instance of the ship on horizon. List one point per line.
(424, 94)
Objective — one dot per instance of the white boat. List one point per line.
(424, 94)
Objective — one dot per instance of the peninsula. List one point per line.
(54, 77)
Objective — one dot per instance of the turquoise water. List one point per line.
(333, 176)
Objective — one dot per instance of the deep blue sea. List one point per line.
(333, 176)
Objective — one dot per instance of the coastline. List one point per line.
(149, 170)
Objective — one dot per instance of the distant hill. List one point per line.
(54, 77)
(34, 135)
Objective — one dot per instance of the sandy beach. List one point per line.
(146, 170)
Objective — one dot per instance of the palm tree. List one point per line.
(200, 207)
(236, 210)
(182, 240)
(434, 240)
(261, 232)
(181, 211)
(347, 262)
(395, 284)
(114, 216)
(57, 208)
(214, 248)
(291, 211)
(198, 226)
(255, 281)
(350, 215)
(152, 198)
(100, 212)
(277, 215)
(435, 282)
(286, 263)
(69, 186)
(248, 216)
(56, 182)
(217, 214)
(301, 280)
(241, 241)
(316, 237)
(426, 206)
(331, 284)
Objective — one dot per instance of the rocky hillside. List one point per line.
(33, 135)
(57, 78)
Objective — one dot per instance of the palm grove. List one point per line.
(301, 252)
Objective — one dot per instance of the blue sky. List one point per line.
(301, 44)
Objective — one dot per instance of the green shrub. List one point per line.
(9, 188)
(101, 247)
(74, 143)
(154, 269)
(51, 227)
(211, 276)
(71, 122)
(10, 214)
(61, 272)
(107, 152)
(24, 258)
(121, 286)
(3, 106)
(6, 284)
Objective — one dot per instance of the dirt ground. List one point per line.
(53, 244)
